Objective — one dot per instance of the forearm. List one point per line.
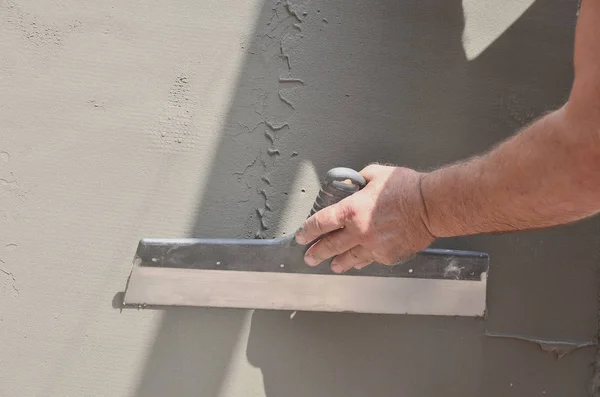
(548, 174)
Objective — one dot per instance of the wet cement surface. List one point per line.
(200, 120)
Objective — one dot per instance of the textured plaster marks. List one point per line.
(43, 40)
(270, 110)
(486, 20)
(12, 195)
(11, 190)
(37, 32)
(175, 124)
(8, 281)
(8, 286)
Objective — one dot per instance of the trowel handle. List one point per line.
(339, 183)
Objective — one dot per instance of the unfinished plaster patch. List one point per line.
(487, 20)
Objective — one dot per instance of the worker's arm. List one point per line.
(546, 175)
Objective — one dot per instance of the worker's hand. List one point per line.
(385, 222)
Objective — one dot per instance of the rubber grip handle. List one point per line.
(339, 183)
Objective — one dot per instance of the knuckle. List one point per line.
(330, 244)
(387, 260)
(372, 167)
(386, 257)
(391, 257)
(369, 168)
(347, 213)
(354, 255)
(316, 224)
(369, 236)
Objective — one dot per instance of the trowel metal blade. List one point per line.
(271, 274)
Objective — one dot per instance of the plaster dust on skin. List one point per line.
(190, 119)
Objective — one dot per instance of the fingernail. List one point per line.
(300, 239)
(336, 268)
(311, 260)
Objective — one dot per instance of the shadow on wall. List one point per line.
(345, 84)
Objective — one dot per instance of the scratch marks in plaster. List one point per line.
(262, 215)
(278, 20)
(246, 129)
(292, 10)
(295, 80)
(9, 279)
(11, 246)
(285, 56)
(265, 179)
(270, 137)
(274, 101)
(264, 194)
(273, 133)
(260, 106)
(276, 127)
(9, 184)
(5, 157)
(13, 194)
(298, 10)
(258, 160)
(561, 347)
(285, 100)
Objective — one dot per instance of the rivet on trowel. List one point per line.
(218, 263)
(282, 265)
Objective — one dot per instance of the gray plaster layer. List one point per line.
(195, 119)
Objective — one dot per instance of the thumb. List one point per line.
(371, 171)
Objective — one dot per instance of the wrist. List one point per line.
(440, 219)
(425, 212)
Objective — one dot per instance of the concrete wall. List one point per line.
(170, 119)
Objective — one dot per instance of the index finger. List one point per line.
(326, 220)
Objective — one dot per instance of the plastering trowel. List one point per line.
(271, 274)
